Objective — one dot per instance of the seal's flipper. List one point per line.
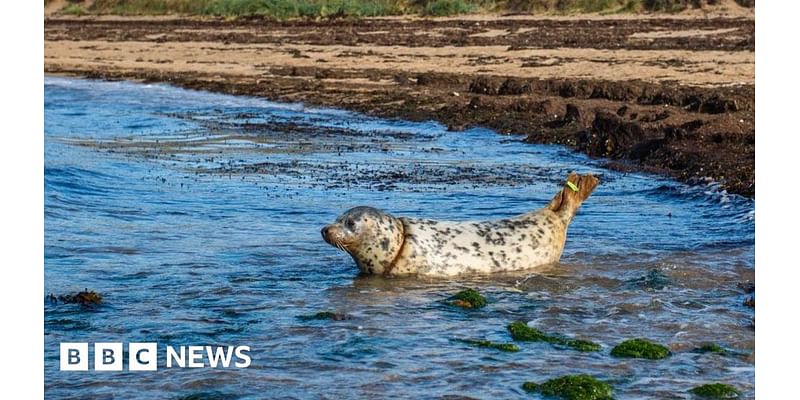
(577, 189)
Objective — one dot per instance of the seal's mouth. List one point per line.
(333, 237)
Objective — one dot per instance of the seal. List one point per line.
(381, 243)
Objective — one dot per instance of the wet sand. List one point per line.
(673, 96)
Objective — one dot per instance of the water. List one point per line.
(197, 217)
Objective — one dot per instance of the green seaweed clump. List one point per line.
(468, 298)
(640, 348)
(580, 345)
(710, 348)
(572, 387)
(530, 387)
(324, 315)
(522, 332)
(716, 391)
(510, 347)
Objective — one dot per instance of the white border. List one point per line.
(22, 169)
(22, 161)
(776, 215)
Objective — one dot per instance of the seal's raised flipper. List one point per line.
(577, 189)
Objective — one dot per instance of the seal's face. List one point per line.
(373, 238)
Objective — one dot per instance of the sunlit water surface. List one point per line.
(197, 217)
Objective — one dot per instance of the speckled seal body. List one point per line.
(384, 244)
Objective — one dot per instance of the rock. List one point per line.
(84, 298)
(323, 315)
(611, 136)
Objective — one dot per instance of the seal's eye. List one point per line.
(350, 224)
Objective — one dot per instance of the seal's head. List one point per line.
(372, 237)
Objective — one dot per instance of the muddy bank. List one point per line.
(690, 113)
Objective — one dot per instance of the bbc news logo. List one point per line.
(144, 357)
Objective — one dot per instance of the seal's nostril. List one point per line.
(324, 232)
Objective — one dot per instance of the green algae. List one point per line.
(640, 348)
(324, 315)
(580, 345)
(572, 387)
(710, 348)
(715, 391)
(522, 332)
(530, 387)
(468, 298)
(509, 347)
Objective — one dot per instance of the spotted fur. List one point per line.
(383, 244)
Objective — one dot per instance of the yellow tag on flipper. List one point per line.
(572, 186)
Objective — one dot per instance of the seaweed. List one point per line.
(640, 348)
(86, 298)
(509, 347)
(522, 332)
(579, 344)
(468, 298)
(715, 391)
(572, 387)
(710, 348)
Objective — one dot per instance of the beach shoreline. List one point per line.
(671, 96)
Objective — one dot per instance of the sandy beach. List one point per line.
(673, 96)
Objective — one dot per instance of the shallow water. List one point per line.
(197, 217)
